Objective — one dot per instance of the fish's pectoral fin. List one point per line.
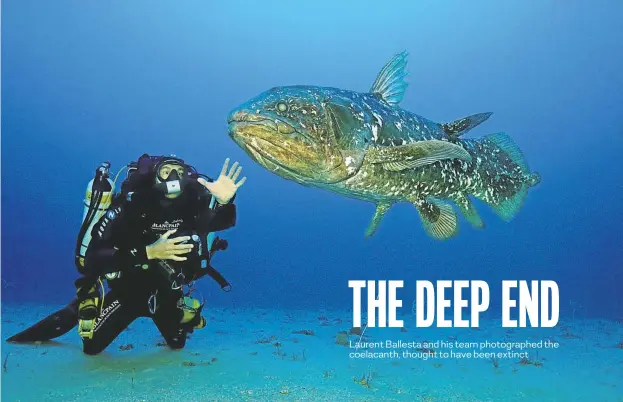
(467, 208)
(416, 154)
(438, 217)
(381, 210)
(457, 128)
(390, 84)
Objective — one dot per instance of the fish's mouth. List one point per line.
(259, 152)
(256, 134)
(278, 125)
(264, 158)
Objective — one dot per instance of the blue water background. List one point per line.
(84, 82)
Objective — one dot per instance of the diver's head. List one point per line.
(171, 176)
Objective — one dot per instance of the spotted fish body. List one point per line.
(364, 146)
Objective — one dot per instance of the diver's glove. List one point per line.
(225, 187)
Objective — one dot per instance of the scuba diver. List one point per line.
(150, 243)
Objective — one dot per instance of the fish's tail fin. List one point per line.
(506, 144)
(534, 178)
(506, 195)
(512, 150)
(507, 207)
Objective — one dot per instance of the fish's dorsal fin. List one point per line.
(457, 128)
(390, 84)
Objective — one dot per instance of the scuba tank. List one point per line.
(97, 199)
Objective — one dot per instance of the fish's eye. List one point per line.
(282, 107)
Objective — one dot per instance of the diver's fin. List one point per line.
(438, 217)
(381, 210)
(416, 154)
(466, 206)
(457, 128)
(51, 327)
(390, 84)
(506, 144)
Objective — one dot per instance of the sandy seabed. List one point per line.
(274, 355)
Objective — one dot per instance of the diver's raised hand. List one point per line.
(169, 249)
(225, 187)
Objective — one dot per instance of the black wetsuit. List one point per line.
(118, 245)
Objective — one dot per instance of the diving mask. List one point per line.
(171, 176)
(170, 170)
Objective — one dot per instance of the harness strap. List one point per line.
(214, 274)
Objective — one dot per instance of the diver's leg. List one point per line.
(168, 317)
(116, 314)
(174, 334)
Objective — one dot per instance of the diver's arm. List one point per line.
(225, 187)
(110, 250)
(220, 217)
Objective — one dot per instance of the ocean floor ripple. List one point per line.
(273, 355)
